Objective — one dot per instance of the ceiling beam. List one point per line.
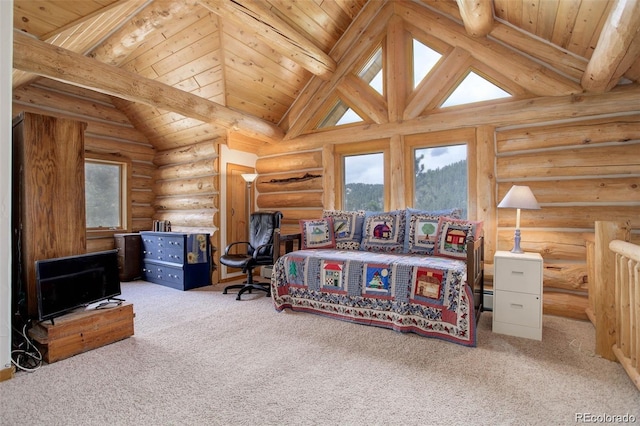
(617, 49)
(38, 57)
(258, 18)
(477, 16)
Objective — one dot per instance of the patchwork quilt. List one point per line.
(421, 294)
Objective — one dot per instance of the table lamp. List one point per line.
(519, 197)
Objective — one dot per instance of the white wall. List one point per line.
(6, 65)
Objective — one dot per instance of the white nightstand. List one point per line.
(517, 294)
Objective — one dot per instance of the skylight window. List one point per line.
(424, 59)
(474, 89)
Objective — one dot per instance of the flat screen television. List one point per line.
(66, 283)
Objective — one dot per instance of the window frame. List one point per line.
(125, 193)
(361, 148)
(436, 140)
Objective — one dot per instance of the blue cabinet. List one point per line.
(177, 260)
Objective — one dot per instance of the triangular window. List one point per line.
(371, 73)
(338, 115)
(474, 89)
(424, 59)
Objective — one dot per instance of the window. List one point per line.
(363, 182)
(474, 88)
(106, 194)
(338, 115)
(442, 175)
(372, 72)
(424, 59)
(362, 172)
(437, 168)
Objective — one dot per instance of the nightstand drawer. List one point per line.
(517, 308)
(518, 275)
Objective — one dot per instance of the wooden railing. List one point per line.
(627, 307)
(614, 295)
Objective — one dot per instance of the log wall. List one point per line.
(581, 169)
(292, 184)
(187, 188)
(108, 132)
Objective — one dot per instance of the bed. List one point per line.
(430, 295)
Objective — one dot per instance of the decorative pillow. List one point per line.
(453, 235)
(383, 232)
(422, 229)
(317, 233)
(347, 228)
(421, 234)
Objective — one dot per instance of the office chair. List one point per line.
(259, 251)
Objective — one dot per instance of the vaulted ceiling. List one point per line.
(189, 70)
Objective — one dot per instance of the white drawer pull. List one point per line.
(517, 305)
(517, 272)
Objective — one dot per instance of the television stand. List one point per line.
(82, 330)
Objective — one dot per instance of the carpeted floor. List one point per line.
(202, 358)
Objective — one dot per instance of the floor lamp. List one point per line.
(249, 178)
(519, 197)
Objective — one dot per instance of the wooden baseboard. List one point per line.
(7, 373)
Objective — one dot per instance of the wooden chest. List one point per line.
(82, 330)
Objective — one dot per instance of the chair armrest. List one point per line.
(257, 250)
(230, 246)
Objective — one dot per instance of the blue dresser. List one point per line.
(177, 260)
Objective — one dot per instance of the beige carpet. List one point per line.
(203, 358)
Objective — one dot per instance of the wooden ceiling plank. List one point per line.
(152, 18)
(564, 23)
(309, 19)
(616, 42)
(564, 61)
(160, 44)
(270, 28)
(547, 18)
(205, 46)
(477, 16)
(60, 64)
(85, 17)
(585, 26)
(340, 18)
(245, 59)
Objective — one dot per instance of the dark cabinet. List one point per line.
(129, 253)
(177, 260)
